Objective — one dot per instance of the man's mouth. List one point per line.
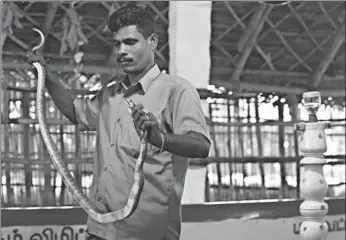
(124, 60)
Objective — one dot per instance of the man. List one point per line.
(168, 108)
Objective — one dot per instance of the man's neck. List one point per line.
(134, 78)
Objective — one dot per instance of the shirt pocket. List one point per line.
(128, 140)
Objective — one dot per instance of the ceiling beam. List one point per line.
(13, 55)
(93, 69)
(305, 27)
(322, 67)
(239, 21)
(91, 29)
(61, 67)
(19, 42)
(48, 20)
(224, 72)
(249, 31)
(255, 29)
(33, 21)
(288, 46)
(266, 88)
(248, 87)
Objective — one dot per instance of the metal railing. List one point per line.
(247, 160)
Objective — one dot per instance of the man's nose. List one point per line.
(122, 49)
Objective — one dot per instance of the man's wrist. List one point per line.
(163, 141)
(160, 142)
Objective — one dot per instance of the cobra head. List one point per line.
(33, 50)
(31, 55)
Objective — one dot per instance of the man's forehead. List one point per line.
(127, 32)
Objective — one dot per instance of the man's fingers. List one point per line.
(141, 121)
(144, 124)
(137, 115)
(137, 112)
(33, 57)
(150, 115)
(136, 108)
(147, 124)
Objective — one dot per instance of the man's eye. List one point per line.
(131, 42)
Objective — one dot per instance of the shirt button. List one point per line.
(118, 120)
(112, 144)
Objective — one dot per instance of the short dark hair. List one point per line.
(132, 14)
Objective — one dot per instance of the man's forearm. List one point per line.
(62, 97)
(191, 145)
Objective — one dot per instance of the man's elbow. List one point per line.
(201, 146)
(205, 149)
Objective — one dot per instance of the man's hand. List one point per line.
(146, 121)
(35, 57)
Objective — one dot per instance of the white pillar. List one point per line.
(189, 43)
(189, 40)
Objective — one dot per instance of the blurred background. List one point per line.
(250, 63)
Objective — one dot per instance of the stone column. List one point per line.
(189, 42)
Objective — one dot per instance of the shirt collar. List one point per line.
(144, 82)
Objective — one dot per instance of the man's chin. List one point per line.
(128, 69)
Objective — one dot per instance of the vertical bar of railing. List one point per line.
(26, 147)
(260, 148)
(282, 150)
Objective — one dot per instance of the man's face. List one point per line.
(132, 50)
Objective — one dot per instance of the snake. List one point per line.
(83, 201)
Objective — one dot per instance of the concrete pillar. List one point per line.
(189, 40)
(189, 43)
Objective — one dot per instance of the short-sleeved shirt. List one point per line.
(176, 104)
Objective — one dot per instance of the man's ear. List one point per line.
(153, 41)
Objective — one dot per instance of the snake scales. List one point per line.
(65, 174)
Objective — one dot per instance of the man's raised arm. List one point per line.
(82, 111)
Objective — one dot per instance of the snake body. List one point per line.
(88, 206)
